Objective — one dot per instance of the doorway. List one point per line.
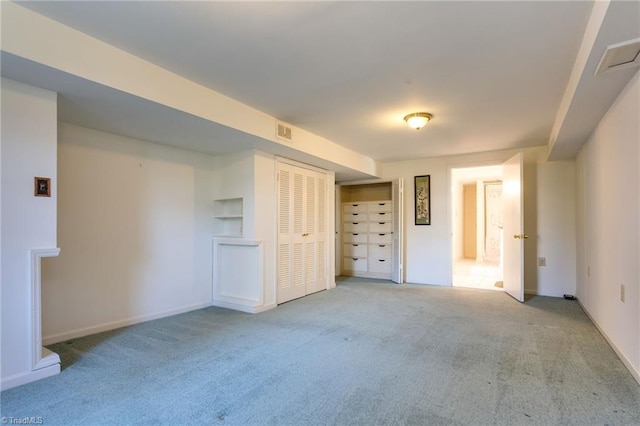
(476, 194)
(369, 230)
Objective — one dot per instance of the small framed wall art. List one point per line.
(423, 199)
(41, 187)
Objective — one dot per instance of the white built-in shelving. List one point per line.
(227, 217)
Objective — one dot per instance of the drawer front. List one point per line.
(355, 227)
(380, 238)
(380, 265)
(380, 251)
(354, 208)
(351, 264)
(355, 250)
(380, 217)
(379, 227)
(380, 206)
(354, 217)
(354, 238)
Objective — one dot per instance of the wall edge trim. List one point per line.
(625, 361)
(86, 331)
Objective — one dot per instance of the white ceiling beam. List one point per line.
(44, 41)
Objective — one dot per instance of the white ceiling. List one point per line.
(493, 74)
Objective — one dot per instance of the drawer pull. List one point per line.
(381, 204)
(355, 214)
(382, 235)
(355, 245)
(354, 205)
(381, 213)
(380, 223)
(381, 245)
(355, 223)
(381, 260)
(354, 258)
(355, 234)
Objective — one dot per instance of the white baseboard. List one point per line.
(633, 370)
(81, 332)
(28, 377)
(243, 308)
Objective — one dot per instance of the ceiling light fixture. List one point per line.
(418, 120)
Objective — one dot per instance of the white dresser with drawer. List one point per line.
(367, 228)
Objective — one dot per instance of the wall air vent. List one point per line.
(283, 132)
(620, 56)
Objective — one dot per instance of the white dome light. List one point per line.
(418, 120)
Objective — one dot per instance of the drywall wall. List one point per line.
(608, 226)
(549, 206)
(28, 144)
(264, 218)
(134, 226)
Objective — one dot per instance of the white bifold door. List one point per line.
(302, 232)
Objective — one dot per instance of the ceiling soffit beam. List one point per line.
(42, 40)
(596, 19)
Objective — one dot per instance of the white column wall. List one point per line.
(28, 149)
(609, 226)
(264, 216)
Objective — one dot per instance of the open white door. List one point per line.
(398, 219)
(513, 232)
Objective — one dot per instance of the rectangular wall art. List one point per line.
(41, 187)
(423, 199)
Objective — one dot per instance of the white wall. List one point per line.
(29, 121)
(264, 216)
(134, 227)
(609, 225)
(549, 219)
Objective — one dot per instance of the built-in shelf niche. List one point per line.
(227, 217)
(366, 192)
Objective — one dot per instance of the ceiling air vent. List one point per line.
(619, 56)
(283, 132)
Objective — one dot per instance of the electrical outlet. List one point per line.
(542, 261)
(622, 293)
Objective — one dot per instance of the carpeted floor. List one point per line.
(366, 353)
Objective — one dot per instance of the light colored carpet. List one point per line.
(366, 353)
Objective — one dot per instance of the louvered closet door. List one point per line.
(291, 282)
(315, 232)
(302, 245)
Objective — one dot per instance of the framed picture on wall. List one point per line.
(422, 186)
(41, 187)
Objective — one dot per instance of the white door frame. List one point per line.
(402, 209)
(450, 207)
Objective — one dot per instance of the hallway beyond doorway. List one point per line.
(481, 275)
